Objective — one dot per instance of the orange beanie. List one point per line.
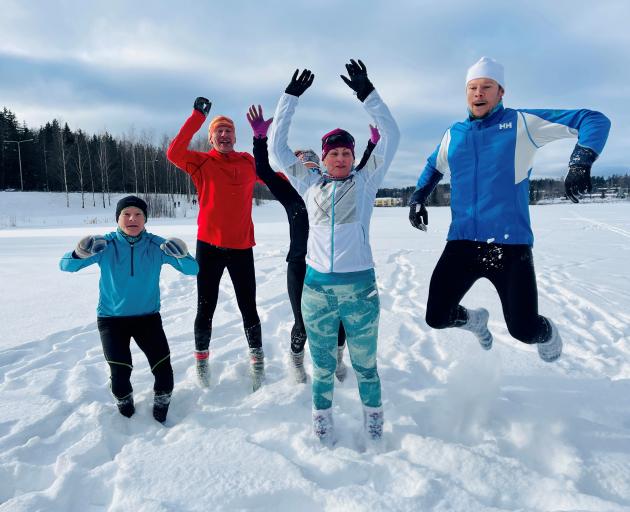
(220, 120)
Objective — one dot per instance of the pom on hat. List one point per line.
(486, 67)
(128, 201)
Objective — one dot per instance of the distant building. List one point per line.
(388, 201)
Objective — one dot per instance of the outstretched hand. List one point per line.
(298, 85)
(358, 81)
(203, 105)
(257, 122)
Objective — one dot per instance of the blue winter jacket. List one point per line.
(130, 274)
(489, 161)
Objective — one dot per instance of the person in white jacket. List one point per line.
(340, 284)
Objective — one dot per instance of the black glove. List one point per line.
(299, 85)
(358, 81)
(202, 105)
(578, 180)
(418, 216)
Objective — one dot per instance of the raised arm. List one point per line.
(278, 186)
(386, 148)
(300, 176)
(371, 144)
(178, 153)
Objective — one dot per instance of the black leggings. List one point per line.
(116, 333)
(510, 268)
(212, 262)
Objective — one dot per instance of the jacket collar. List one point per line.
(327, 178)
(224, 156)
(495, 114)
(131, 239)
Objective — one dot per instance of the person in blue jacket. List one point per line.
(130, 260)
(488, 158)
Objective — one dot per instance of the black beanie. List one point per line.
(128, 201)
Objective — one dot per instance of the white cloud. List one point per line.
(119, 63)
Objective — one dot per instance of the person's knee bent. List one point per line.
(438, 319)
(529, 332)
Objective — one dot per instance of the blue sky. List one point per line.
(136, 68)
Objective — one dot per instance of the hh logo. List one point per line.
(505, 126)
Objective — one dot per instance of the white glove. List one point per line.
(90, 245)
(175, 247)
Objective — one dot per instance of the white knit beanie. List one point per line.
(486, 67)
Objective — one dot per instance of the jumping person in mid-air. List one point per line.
(225, 181)
(489, 157)
(340, 283)
(294, 205)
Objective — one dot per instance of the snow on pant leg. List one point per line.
(321, 318)
(240, 265)
(296, 270)
(456, 271)
(515, 281)
(115, 338)
(150, 338)
(211, 262)
(359, 306)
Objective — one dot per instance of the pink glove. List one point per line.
(257, 122)
(375, 136)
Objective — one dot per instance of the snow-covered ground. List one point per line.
(465, 429)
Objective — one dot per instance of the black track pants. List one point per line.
(510, 268)
(116, 333)
(212, 262)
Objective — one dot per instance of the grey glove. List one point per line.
(89, 246)
(175, 247)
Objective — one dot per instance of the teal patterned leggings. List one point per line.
(357, 306)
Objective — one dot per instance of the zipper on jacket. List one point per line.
(131, 258)
(476, 128)
(332, 230)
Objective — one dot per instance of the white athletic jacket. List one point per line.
(339, 211)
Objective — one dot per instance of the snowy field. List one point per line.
(465, 430)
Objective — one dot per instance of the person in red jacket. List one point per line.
(225, 181)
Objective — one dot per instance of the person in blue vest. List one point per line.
(130, 260)
(488, 158)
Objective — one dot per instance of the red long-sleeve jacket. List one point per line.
(225, 186)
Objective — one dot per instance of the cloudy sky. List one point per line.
(136, 67)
